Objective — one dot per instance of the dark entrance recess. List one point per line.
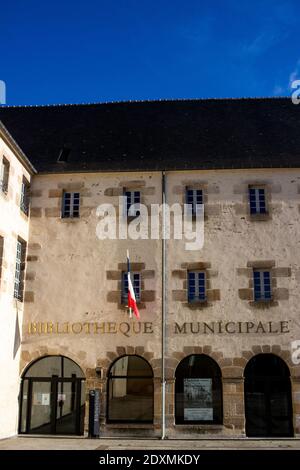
(268, 402)
(52, 397)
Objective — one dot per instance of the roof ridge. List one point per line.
(159, 100)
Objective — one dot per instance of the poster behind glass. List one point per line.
(198, 400)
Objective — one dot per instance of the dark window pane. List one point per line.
(130, 400)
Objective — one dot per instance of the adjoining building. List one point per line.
(214, 352)
(15, 176)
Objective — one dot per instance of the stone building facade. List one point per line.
(14, 226)
(206, 366)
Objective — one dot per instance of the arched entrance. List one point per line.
(198, 391)
(268, 402)
(52, 397)
(130, 391)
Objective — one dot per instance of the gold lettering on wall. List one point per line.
(96, 328)
(231, 327)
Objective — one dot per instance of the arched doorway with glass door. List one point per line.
(198, 391)
(268, 401)
(130, 391)
(52, 398)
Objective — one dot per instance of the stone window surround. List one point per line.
(212, 209)
(130, 185)
(182, 295)
(57, 194)
(278, 293)
(243, 208)
(115, 296)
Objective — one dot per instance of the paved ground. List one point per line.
(65, 443)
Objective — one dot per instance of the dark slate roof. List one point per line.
(159, 135)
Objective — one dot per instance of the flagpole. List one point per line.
(127, 255)
(163, 332)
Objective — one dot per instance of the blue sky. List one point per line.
(96, 51)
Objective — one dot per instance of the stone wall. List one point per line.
(73, 277)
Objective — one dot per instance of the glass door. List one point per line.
(40, 420)
(67, 407)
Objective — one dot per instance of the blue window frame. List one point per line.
(257, 200)
(136, 282)
(194, 197)
(262, 284)
(132, 197)
(196, 286)
(71, 204)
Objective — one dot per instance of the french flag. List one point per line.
(131, 295)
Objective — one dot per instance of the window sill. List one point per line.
(263, 303)
(213, 427)
(258, 217)
(129, 426)
(69, 219)
(199, 304)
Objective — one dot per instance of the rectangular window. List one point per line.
(257, 200)
(20, 270)
(1, 254)
(70, 206)
(25, 196)
(136, 282)
(132, 197)
(196, 286)
(262, 284)
(4, 175)
(194, 197)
